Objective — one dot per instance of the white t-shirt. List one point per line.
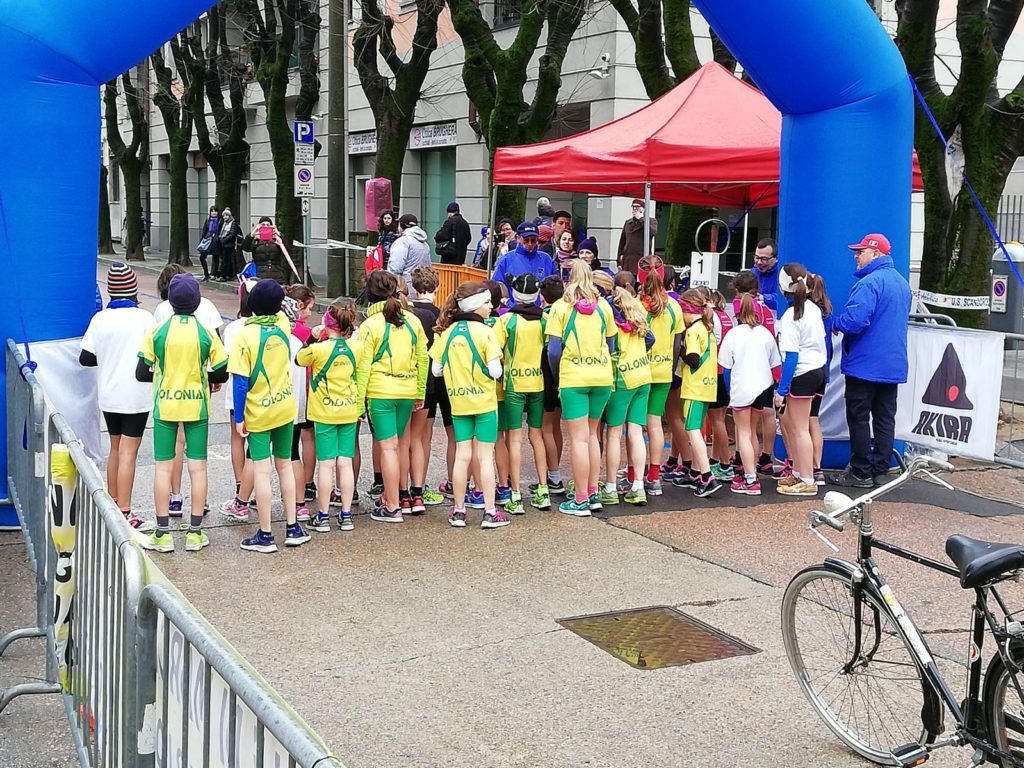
(115, 336)
(229, 336)
(299, 383)
(206, 313)
(750, 353)
(805, 336)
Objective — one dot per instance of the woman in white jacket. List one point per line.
(409, 251)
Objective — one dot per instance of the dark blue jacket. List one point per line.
(874, 324)
(768, 285)
(519, 262)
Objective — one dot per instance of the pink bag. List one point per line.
(378, 200)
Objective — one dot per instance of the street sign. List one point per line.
(303, 181)
(704, 269)
(999, 286)
(305, 206)
(304, 154)
(302, 130)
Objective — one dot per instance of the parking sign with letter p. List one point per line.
(302, 131)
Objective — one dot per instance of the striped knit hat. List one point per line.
(121, 281)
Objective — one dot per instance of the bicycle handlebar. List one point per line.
(918, 464)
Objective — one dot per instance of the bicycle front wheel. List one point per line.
(871, 697)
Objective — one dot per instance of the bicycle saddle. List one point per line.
(982, 561)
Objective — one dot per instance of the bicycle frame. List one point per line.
(971, 728)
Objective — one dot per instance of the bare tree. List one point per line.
(131, 156)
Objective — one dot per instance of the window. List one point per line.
(114, 179)
(506, 14)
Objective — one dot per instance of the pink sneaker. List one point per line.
(786, 470)
(740, 485)
(235, 510)
(302, 513)
(495, 519)
(140, 525)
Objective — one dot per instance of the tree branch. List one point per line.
(679, 44)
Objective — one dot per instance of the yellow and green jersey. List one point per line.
(632, 363)
(700, 384)
(261, 352)
(524, 349)
(665, 328)
(179, 351)
(394, 364)
(464, 349)
(494, 323)
(586, 360)
(333, 394)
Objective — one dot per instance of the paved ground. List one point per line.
(419, 645)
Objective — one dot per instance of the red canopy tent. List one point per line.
(711, 140)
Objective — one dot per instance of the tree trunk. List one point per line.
(683, 221)
(179, 249)
(392, 142)
(131, 172)
(286, 209)
(106, 238)
(230, 173)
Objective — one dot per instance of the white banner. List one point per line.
(952, 302)
(951, 399)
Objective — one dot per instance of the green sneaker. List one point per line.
(432, 498)
(608, 494)
(638, 497)
(515, 507)
(575, 508)
(541, 498)
(196, 540)
(595, 502)
(157, 542)
(722, 471)
(570, 487)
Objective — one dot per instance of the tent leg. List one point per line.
(647, 220)
(492, 243)
(743, 253)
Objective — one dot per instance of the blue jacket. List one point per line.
(520, 261)
(768, 285)
(874, 324)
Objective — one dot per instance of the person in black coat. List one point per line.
(228, 237)
(387, 228)
(454, 237)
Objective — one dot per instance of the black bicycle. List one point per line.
(866, 668)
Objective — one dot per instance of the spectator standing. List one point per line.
(264, 242)
(874, 326)
(209, 243)
(228, 243)
(766, 270)
(409, 251)
(631, 242)
(545, 212)
(454, 237)
(524, 259)
(387, 233)
(562, 222)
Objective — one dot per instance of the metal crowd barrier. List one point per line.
(119, 639)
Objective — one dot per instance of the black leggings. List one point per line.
(206, 269)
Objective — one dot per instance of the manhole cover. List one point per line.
(651, 638)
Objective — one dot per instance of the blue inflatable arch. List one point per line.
(54, 55)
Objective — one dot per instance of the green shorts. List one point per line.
(335, 441)
(694, 414)
(510, 412)
(628, 405)
(276, 442)
(165, 439)
(390, 417)
(481, 426)
(584, 402)
(659, 396)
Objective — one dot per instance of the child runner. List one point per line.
(819, 295)
(678, 462)
(175, 356)
(748, 356)
(304, 300)
(721, 458)
(802, 344)
(523, 332)
(425, 282)
(467, 354)
(265, 409)
(665, 321)
(393, 375)
(334, 407)
(111, 343)
(551, 290)
(628, 402)
(699, 361)
(238, 507)
(581, 337)
(300, 387)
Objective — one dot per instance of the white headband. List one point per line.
(525, 298)
(474, 302)
(787, 284)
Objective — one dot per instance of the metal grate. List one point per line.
(651, 638)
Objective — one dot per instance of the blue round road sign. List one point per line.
(304, 175)
(999, 287)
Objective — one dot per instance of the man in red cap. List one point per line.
(874, 327)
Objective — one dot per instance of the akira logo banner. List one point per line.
(951, 399)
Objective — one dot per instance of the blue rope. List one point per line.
(967, 183)
(746, 211)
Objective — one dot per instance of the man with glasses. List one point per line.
(525, 259)
(874, 327)
(766, 270)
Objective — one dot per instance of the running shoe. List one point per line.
(595, 502)
(503, 495)
(236, 510)
(653, 487)
(848, 479)
(707, 488)
(140, 525)
(175, 504)
(156, 541)
(790, 479)
(786, 470)
(377, 489)
(296, 536)
(419, 507)
(554, 489)
(384, 515)
(541, 498)
(457, 518)
(355, 496)
(570, 487)
(445, 489)
(432, 498)
(515, 507)
(672, 465)
(799, 488)
(320, 522)
(475, 500)
(623, 485)
(495, 519)
(336, 500)
(765, 465)
(301, 513)
(345, 521)
(310, 492)
(741, 486)
(575, 508)
(722, 472)
(636, 497)
(819, 477)
(260, 542)
(670, 472)
(688, 480)
(196, 540)
(405, 504)
(608, 494)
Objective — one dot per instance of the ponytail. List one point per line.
(449, 309)
(653, 295)
(794, 282)
(818, 294)
(383, 286)
(748, 312)
(697, 298)
(708, 317)
(631, 309)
